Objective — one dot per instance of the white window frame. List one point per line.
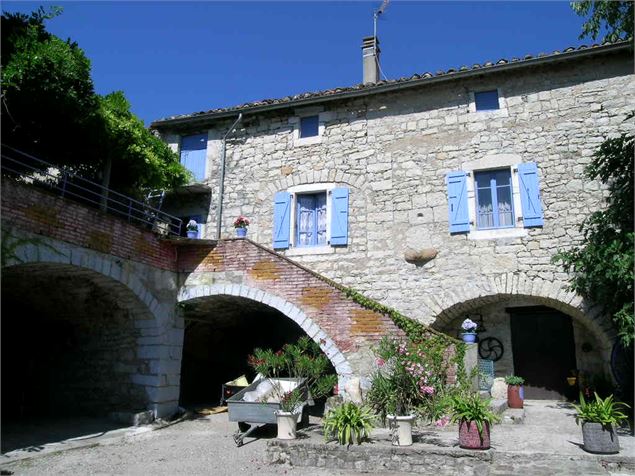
(494, 162)
(295, 121)
(296, 190)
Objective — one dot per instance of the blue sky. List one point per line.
(182, 57)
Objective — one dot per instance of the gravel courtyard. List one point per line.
(201, 446)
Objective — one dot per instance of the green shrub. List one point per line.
(514, 380)
(349, 423)
(607, 412)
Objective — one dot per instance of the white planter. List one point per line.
(287, 424)
(401, 429)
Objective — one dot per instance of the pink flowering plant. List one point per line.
(410, 378)
(241, 222)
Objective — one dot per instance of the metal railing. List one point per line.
(28, 169)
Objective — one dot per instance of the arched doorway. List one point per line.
(223, 325)
(69, 350)
(539, 339)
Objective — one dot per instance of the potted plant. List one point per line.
(515, 394)
(599, 419)
(192, 229)
(349, 423)
(469, 331)
(475, 419)
(400, 383)
(241, 223)
(287, 416)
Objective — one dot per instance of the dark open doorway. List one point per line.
(544, 350)
(220, 333)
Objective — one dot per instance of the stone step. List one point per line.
(515, 416)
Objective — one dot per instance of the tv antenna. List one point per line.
(376, 14)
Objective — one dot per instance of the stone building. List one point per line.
(442, 195)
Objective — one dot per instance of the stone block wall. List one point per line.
(393, 151)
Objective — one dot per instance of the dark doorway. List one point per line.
(544, 351)
(220, 333)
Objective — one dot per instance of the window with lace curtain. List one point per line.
(311, 219)
(494, 206)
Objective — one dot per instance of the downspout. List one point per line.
(219, 206)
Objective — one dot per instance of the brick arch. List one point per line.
(29, 249)
(308, 325)
(455, 302)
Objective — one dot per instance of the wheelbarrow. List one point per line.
(251, 415)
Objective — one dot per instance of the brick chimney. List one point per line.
(370, 59)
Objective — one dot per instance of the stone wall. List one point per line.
(393, 151)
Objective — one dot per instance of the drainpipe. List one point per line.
(219, 206)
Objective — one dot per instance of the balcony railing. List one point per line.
(28, 169)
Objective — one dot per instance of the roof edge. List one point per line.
(385, 87)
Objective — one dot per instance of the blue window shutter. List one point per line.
(339, 216)
(530, 194)
(459, 217)
(194, 155)
(281, 220)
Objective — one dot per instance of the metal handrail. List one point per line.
(34, 171)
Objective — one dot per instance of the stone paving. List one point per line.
(547, 443)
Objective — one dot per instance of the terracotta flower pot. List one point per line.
(469, 437)
(514, 398)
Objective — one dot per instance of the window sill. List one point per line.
(497, 234)
(310, 250)
(299, 142)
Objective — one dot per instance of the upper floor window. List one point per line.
(494, 207)
(309, 126)
(486, 100)
(483, 200)
(194, 155)
(313, 217)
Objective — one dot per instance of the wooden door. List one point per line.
(543, 349)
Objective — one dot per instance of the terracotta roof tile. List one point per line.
(488, 65)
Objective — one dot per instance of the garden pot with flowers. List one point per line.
(240, 224)
(192, 229)
(469, 331)
(475, 418)
(400, 384)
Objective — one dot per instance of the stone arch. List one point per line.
(31, 249)
(454, 303)
(317, 176)
(154, 314)
(488, 289)
(326, 343)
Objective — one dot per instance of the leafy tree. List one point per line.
(50, 109)
(49, 106)
(602, 267)
(139, 159)
(614, 16)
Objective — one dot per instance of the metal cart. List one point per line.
(253, 415)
